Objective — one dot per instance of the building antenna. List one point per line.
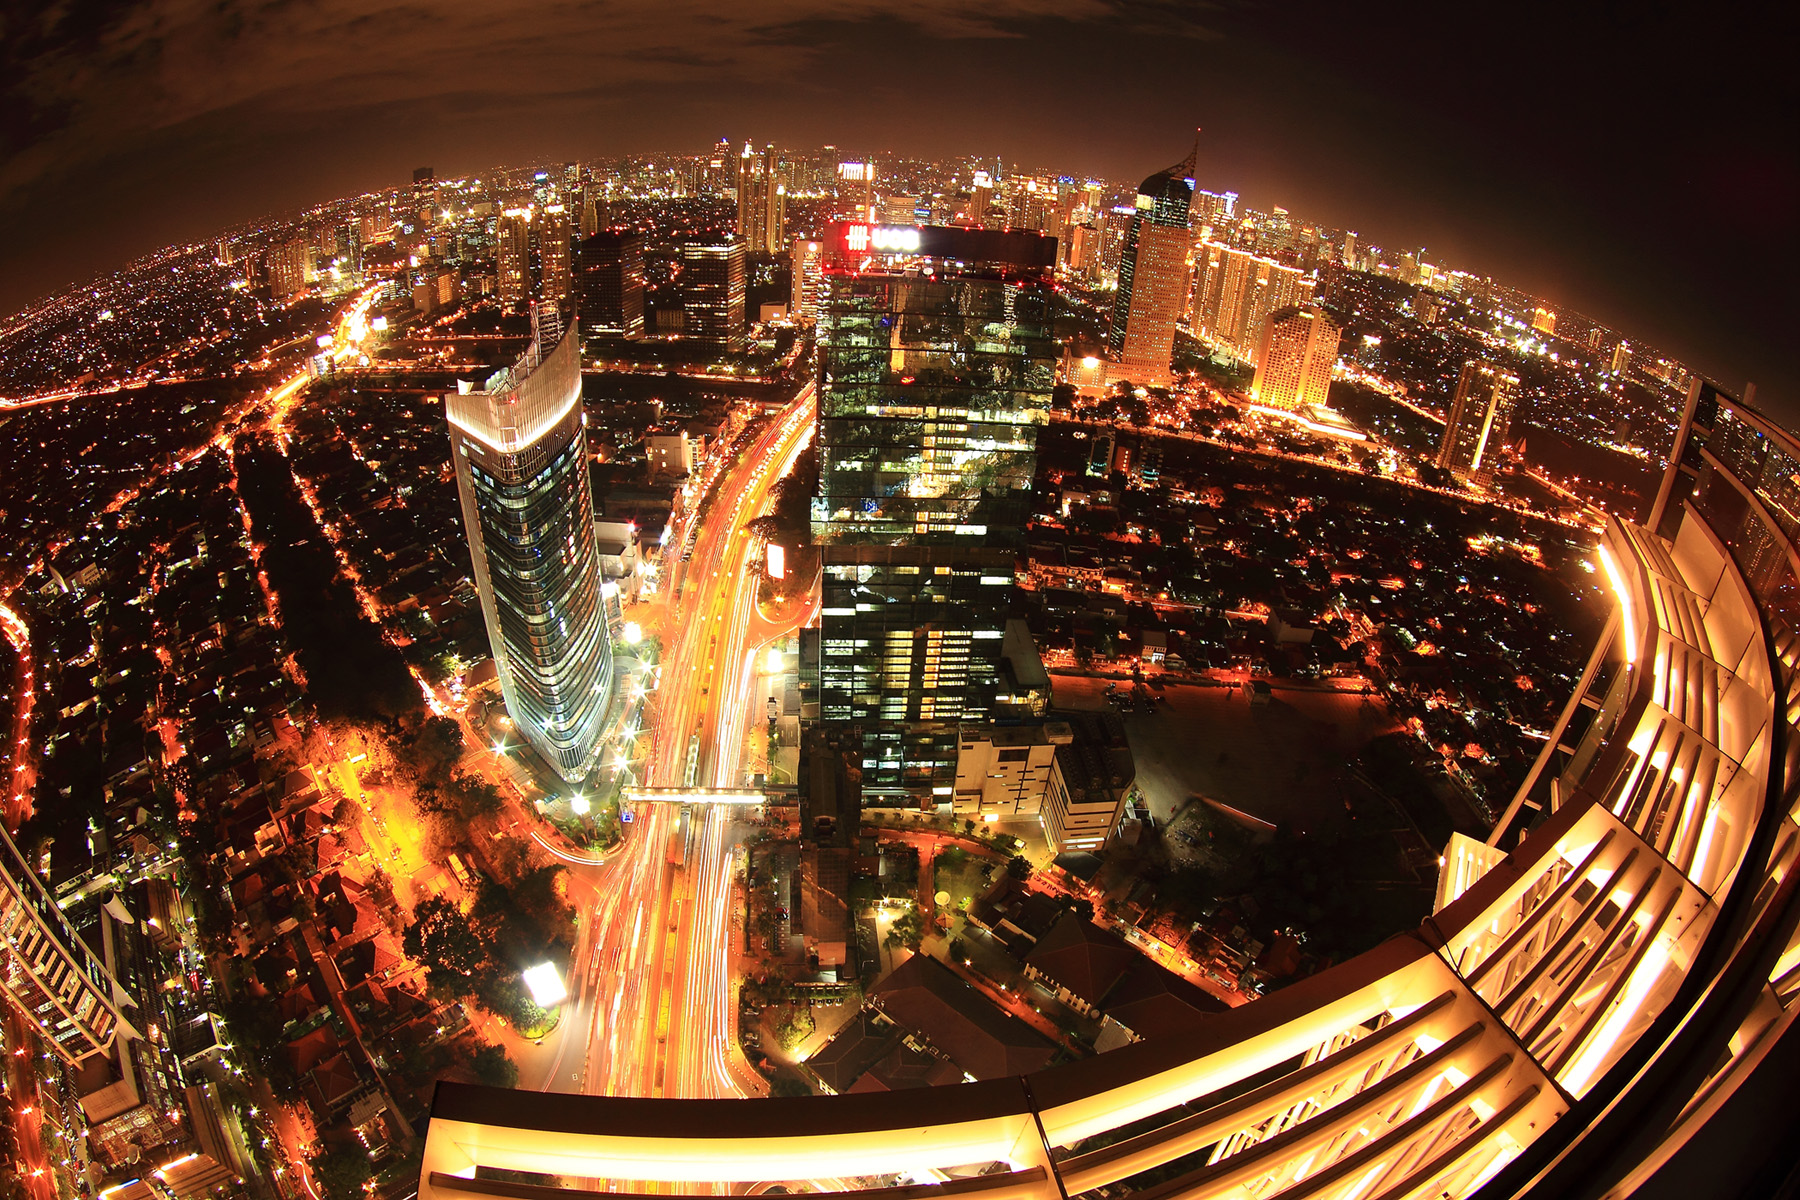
(1185, 168)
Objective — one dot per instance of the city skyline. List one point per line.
(835, 626)
(1692, 155)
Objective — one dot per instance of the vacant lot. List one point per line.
(1280, 762)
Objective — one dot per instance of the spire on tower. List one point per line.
(1185, 168)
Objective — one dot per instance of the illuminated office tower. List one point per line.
(1153, 273)
(808, 260)
(1234, 294)
(1293, 366)
(712, 293)
(553, 252)
(1480, 413)
(513, 255)
(609, 283)
(49, 975)
(521, 471)
(932, 389)
(1350, 260)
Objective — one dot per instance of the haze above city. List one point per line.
(1626, 161)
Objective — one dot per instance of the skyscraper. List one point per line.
(1293, 366)
(1234, 293)
(609, 283)
(1480, 414)
(287, 268)
(932, 387)
(513, 257)
(808, 257)
(552, 226)
(712, 293)
(761, 200)
(1153, 272)
(521, 471)
(47, 972)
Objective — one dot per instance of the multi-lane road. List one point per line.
(17, 782)
(652, 1008)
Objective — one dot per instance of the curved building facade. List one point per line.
(521, 471)
(1602, 1004)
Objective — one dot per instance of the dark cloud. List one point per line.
(1634, 160)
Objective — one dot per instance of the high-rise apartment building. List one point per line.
(932, 388)
(1480, 415)
(1293, 365)
(712, 293)
(808, 277)
(287, 268)
(609, 283)
(1153, 275)
(552, 227)
(58, 985)
(512, 253)
(1234, 293)
(521, 471)
(761, 200)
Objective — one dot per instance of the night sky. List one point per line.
(1636, 160)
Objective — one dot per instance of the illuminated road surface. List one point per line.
(17, 781)
(652, 1010)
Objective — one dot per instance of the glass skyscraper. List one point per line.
(936, 365)
(521, 470)
(1153, 275)
(48, 972)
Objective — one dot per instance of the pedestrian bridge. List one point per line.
(678, 795)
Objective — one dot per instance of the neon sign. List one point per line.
(886, 239)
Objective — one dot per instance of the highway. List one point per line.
(19, 779)
(652, 1008)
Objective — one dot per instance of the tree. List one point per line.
(476, 796)
(442, 938)
(436, 748)
(493, 1067)
(341, 1170)
(908, 930)
(1018, 867)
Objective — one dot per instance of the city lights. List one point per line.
(545, 985)
(865, 623)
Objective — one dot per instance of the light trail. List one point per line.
(653, 1012)
(20, 782)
